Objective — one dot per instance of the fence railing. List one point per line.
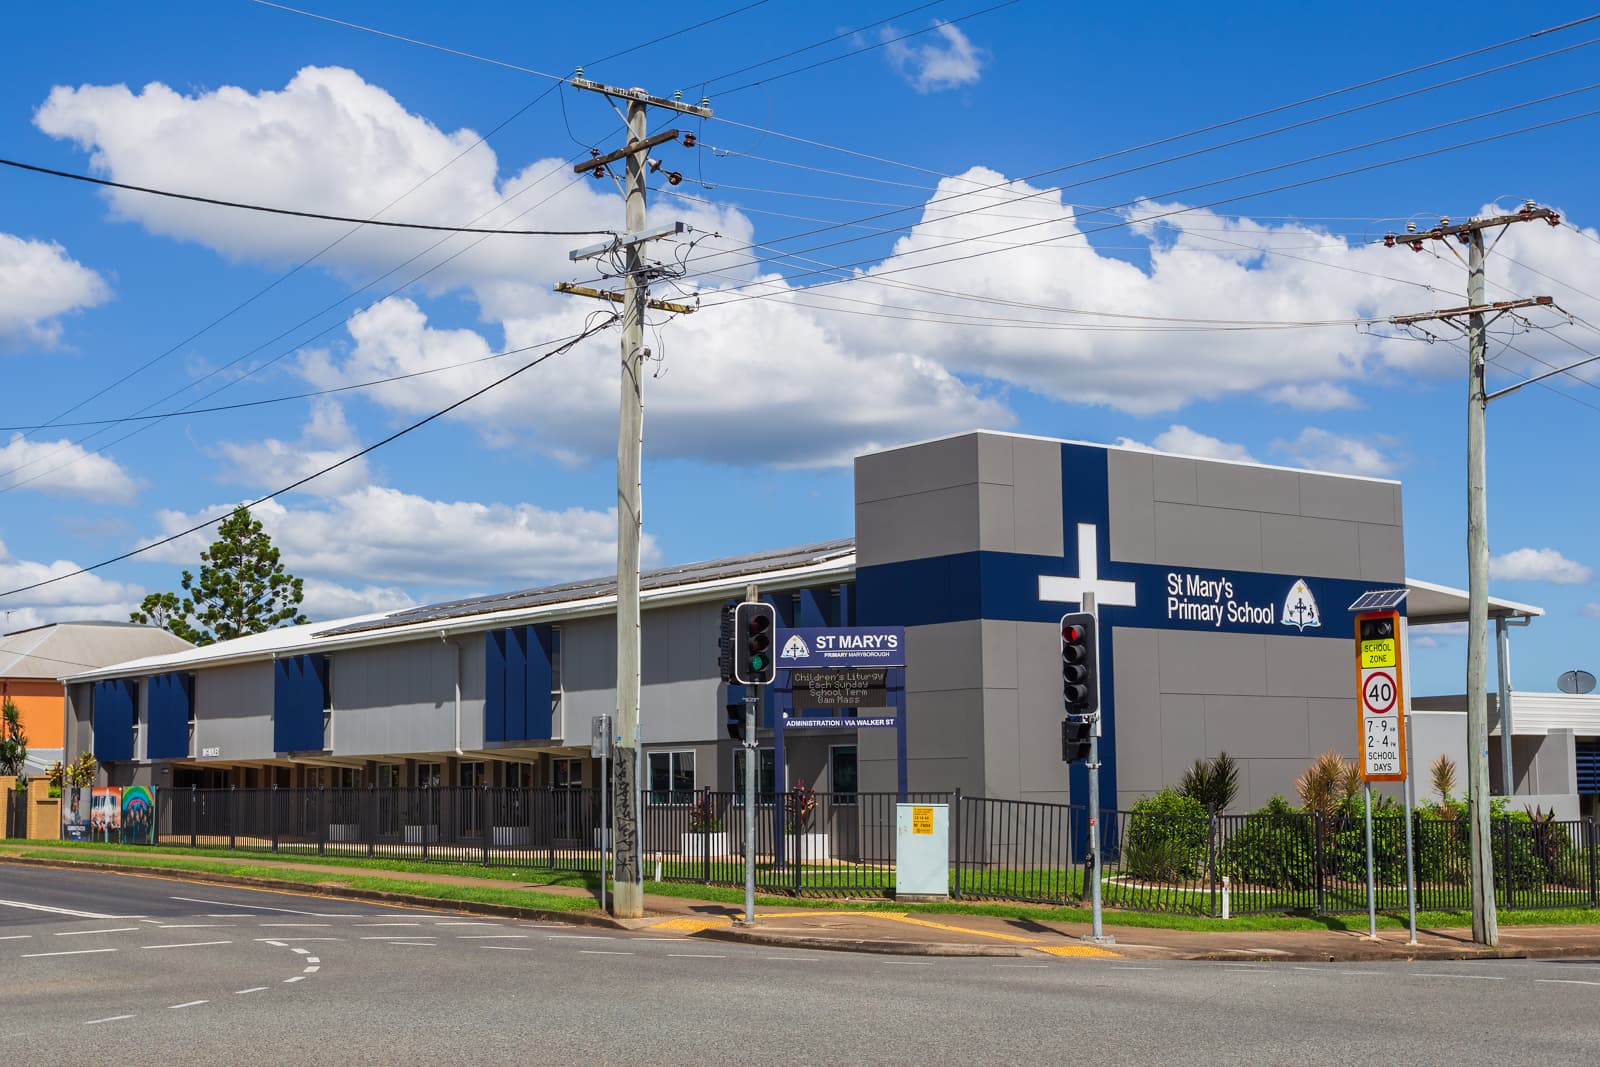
(844, 844)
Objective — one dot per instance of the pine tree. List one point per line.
(242, 589)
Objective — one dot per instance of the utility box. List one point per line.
(922, 852)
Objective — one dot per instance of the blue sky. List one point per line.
(981, 248)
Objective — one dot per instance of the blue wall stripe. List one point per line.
(113, 719)
(516, 683)
(494, 686)
(299, 696)
(169, 698)
(538, 720)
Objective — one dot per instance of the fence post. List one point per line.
(1505, 853)
(193, 808)
(322, 818)
(955, 891)
(550, 823)
(1589, 827)
(371, 828)
(272, 815)
(233, 817)
(705, 833)
(484, 809)
(1211, 854)
(1316, 832)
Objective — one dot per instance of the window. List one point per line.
(347, 777)
(842, 773)
(389, 776)
(428, 775)
(567, 773)
(519, 775)
(766, 775)
(671, 777)
(470, 774)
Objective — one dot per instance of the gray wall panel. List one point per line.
(1131, 485)
(1294, 544)
(944, 656)
(997, 518)
(1232, 485)
(937, 522)
(1183, 735)
(1330, 497)
(1138, 710)
(1176, 479)
(588, 672)
(917, 469)
(1266, 778)
(233, 712)
(1196, 662)
(1036, 470)
(1383, 555)
(397, 699)
(681, 695)
(1335, 725)
(1312, 667)
(1247, 727)
(1192, 536)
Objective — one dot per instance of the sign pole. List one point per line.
(1409, 789)
(1372, 882)
(752, 701)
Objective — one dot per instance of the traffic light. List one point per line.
(754, 629)
(1377, 629)
(1075, 734)
(735, 721)
(1080, 684)
(725, 644)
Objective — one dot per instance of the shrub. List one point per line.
(703, 816)
(1214, 782)
(1165, 839)
(1273, 847)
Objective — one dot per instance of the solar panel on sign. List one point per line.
(1380, 600)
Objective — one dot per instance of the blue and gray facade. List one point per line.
(1222, 591)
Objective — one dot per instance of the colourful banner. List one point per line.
(138, 816)
(105, 814)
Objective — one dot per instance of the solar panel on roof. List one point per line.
(684, 574)
(1380, 600)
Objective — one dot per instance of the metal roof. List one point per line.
(58, 649)
(730, 567)
(1431, 604)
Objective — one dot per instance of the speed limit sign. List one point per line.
(1379, 687)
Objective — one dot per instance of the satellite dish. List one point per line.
(1576, 682)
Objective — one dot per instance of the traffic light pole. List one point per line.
(752, 701)
(1098, 934)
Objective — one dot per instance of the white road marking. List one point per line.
(602, 952)
(1565, 981)
(508, 948)
(107, 1019)
(311, 970)
(110, 930)
(497, 937)
(256, 907)
(239, 914)
(281, 942)
(463, 923)
(695, 956)
(274, 944)
(191, 944)
(313, 959)
(548, 926)
(153, 922)
(188, 1004)
(296, 978)
(1129, 966)
(216, 926)
(419, 924)
(1380, 972)
(797, 959)
(407, 937)
(16, 937)
(252, 989)
(1446, 974)
(72, 952)
(910, 963)
(582, 937)
(413, 944)
(62, 911)
(301, 951)
(269, 926)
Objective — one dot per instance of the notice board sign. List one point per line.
(1380, 696)
(855, 687)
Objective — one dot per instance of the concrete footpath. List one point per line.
(891, 931)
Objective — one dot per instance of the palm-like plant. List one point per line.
(13, 741)
(1213, 782)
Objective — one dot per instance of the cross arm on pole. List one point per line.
(642, 97)
(1473, 309)
(1461, 230)
(618, 298)
(626, 150)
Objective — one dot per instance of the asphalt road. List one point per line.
(160, 970)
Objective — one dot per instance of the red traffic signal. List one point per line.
(1080, 690)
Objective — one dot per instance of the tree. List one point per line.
(242, 589)
(13, 741)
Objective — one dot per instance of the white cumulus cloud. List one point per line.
(1187, 442)
(326, 600)
(1539, 565)
(1322, 450)
(949, 61)
(39, 283)
(64, 469)
(83, 597)
(272, 463)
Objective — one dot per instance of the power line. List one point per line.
(842, 35)
(587, 333)
(301, 214)
(678, 32)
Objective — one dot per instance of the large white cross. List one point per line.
(1071, 590)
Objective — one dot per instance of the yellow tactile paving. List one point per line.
(690, 926)
(965, 930)
(1090, 951)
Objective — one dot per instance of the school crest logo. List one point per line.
(1300, 607)
(795, 648)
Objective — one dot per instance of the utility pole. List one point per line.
(628, 899)
(1485, 921)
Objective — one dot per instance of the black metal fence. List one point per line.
(844, 844)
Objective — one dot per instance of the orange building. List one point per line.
(32, 662)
